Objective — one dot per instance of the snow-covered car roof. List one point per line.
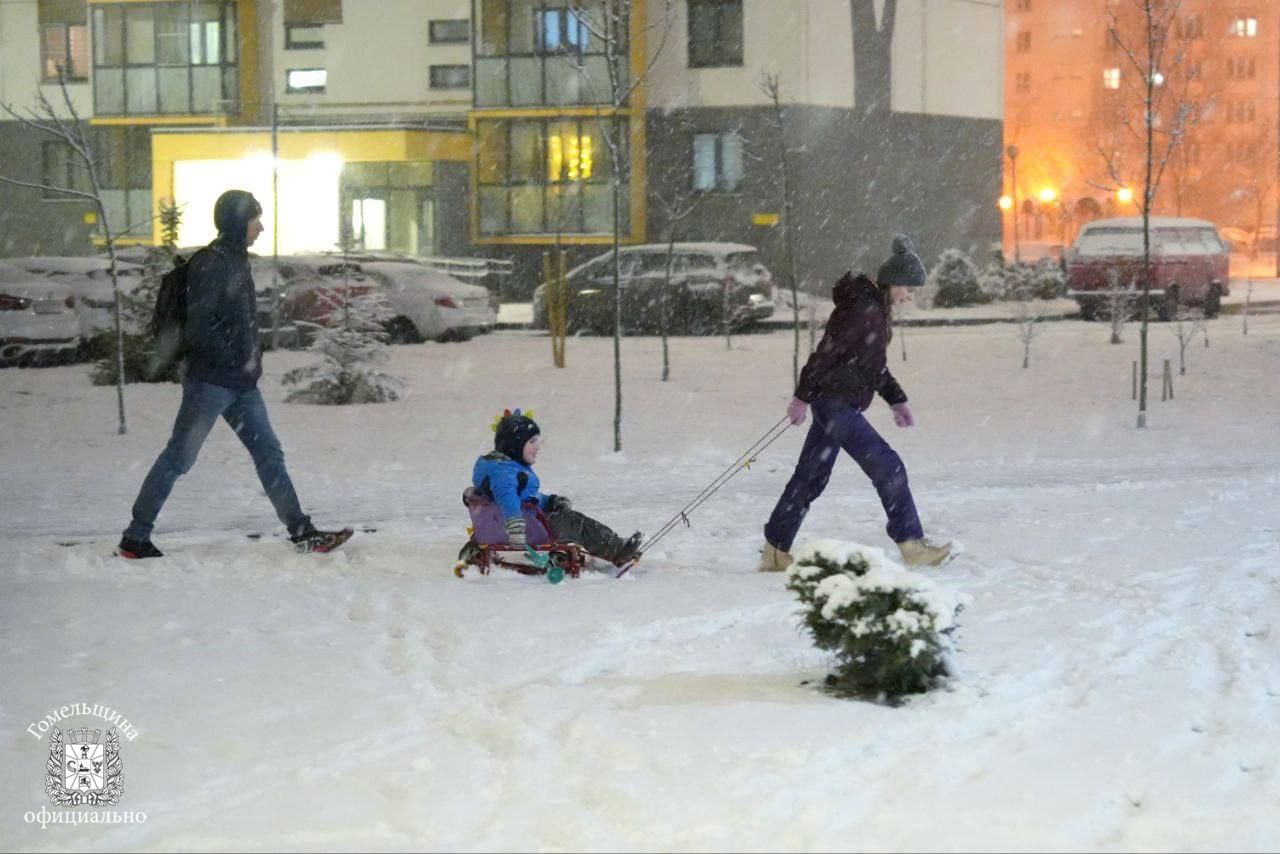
(1156, 222)
(407, 272)
(74, 265)
(15, 278)
(713, 248)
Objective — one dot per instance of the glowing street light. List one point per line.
(1048, 194)
(1124, 195)
(1006, 203)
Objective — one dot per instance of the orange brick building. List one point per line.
(1073, 117)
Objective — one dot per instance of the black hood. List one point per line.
(231, 214)
(850, 286)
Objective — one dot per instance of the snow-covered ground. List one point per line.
(1120, 677)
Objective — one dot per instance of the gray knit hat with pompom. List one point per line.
(904, 267)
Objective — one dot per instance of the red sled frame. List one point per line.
(568, 557)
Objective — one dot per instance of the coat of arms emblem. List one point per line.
(84, 768)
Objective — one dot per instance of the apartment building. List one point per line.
(496, 127)
(1073, 114)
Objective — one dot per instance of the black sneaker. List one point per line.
(137, 549)
(320, 541)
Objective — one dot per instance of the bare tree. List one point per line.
(69, 130)
(770, 85)
(1120, 303)
(1152, 62)
(609, 22)
(675, 212)
(1189, 324)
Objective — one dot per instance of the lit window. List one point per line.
(1244, 27)
(717, 161)
(305, 81)
(570, 157)
(561, 31)
(1111, 78)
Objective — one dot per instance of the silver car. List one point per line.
(38, 320)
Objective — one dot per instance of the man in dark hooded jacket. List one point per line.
(223, 356)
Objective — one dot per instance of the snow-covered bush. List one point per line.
(954, 282)
(353, 346)
(1023, 281)
(890, 628)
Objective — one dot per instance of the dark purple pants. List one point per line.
(838, 425)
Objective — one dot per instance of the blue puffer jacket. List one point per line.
(510, 483)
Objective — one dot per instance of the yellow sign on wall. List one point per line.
(766, 219)
(90, 218)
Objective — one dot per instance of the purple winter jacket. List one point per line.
(849, 364)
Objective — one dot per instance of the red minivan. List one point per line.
(1189, 264)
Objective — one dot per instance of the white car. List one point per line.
(38, 320)
(90, 280)
(424, 304)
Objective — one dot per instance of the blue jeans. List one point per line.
(837, 426)
(202, 404)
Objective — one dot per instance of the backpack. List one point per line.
(169, 317)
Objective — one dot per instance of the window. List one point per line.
(717, 161)
(64, 50)
(305, 81)
(561, 31)
(1111, 78)
(1190, 28)
(1023, 6)
(1241, 112)
(1022, 82)
(450, 32)
(1024, 41)
(451, 77)
(546, 176)
(312, 12)
(1244, 27)
(59, 167)
(715, 33)
(1077, 32)
(159, 58)
(1195, 69)
(1242, 68)
(304, 37)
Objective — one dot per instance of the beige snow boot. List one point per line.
(924, 552)
(773, 559)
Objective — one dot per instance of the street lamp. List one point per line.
(1013, 152)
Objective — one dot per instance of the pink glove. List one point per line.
(796, 410)
(902, 415)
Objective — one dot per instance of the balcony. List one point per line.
(534, 53)
(158, 60)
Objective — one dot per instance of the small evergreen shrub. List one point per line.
(954, 282)
(890, 629)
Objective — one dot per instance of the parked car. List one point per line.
(425, 304)
(707, 279)
(90, 280)
(1189, 264)
(38, 320)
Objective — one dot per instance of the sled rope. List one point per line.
(744, 460)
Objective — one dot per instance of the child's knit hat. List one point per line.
(512, 431)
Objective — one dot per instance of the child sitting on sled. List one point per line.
(505, 476)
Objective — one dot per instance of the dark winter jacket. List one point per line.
(221, 331)
(849, 364)
(507, 482)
